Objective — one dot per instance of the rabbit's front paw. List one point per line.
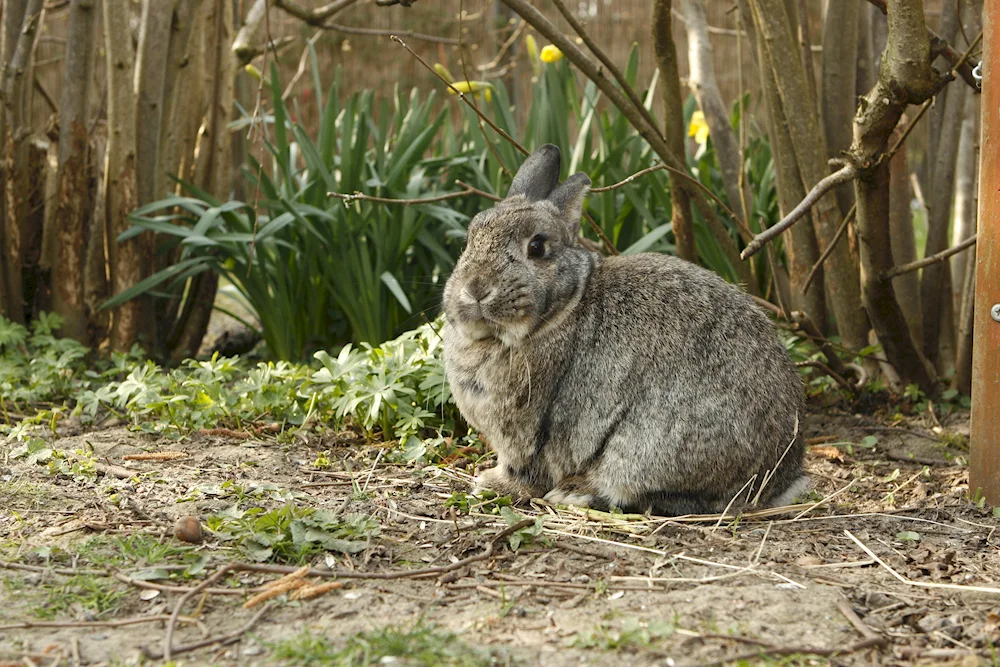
(497, 481)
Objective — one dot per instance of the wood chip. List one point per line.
(827, 452)
(308, 592)
(155, 456)
(273, 592)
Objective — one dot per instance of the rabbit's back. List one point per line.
(706, 376)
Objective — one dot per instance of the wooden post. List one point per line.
(984, 466)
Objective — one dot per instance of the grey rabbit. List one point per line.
(640, 382)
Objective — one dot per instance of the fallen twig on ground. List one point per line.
(764, 650)
(920, 584)
(211, 641)
(168, 638)
(27, 625)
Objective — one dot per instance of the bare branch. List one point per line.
(928, 261)
(388, 33)
(462, 96)
(360, 196)
(242, 45)
(493, 64)
(609, 63)
(629, 179)
(318, 17)
(843, 175)
(940, 46)
(314, 17)
(829, 248)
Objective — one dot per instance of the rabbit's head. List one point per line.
(522, 265)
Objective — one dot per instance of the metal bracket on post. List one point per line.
(977, 74)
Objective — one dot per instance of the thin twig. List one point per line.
(65, 571)
(616, 71)
(374, 32)
(958, 63)
(629, 179)
(842, 175)
(164, 588)
(795, 650)
(211, 641)
(168, 638)
(463, 97)
(28, 625)
(503, 48)
(829, 249)
(927, 261)
(919, 584)
(360, 196)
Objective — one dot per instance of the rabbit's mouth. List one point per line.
(477, 322)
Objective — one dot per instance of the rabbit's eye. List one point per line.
(536, 247)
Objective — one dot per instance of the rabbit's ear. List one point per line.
(568, 198)
(539, 174)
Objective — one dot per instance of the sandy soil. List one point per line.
(589, 589)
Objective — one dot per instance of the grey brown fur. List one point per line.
(641, 382)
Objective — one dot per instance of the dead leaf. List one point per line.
(827, 452)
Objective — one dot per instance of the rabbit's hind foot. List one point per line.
(575, 490)
(499, 482)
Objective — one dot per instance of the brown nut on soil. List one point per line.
(188, 529)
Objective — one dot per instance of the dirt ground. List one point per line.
(801, 587)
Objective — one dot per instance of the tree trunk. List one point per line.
(182, 114)
(966, 178)
(935, 280)
(866, 71)
(874, 247)
(213, 170)
(905, 77)
(96, 280)
(963, 355)
(702, 81)
(128, 258)
(68, 237)
(673, 125)
(903, 243)
(802, 249)
(838, 86)
(21, 21)
(842, 283)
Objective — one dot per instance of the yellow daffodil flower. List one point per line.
(551, 53)
(698, 127)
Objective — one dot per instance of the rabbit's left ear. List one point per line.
(539, 174)
(568, 198)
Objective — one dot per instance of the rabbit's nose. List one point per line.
(479, 290)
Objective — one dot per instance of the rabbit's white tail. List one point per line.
(799, 487)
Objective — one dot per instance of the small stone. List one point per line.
(188, 529)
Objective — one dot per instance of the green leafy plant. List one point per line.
(290, 534)
(317, 270)
(421, 645)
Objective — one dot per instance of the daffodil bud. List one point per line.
(532, 47)
(443, 72)
(468, 87)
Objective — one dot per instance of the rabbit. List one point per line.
(643, 382)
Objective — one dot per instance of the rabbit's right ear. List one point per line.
(539, 174)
